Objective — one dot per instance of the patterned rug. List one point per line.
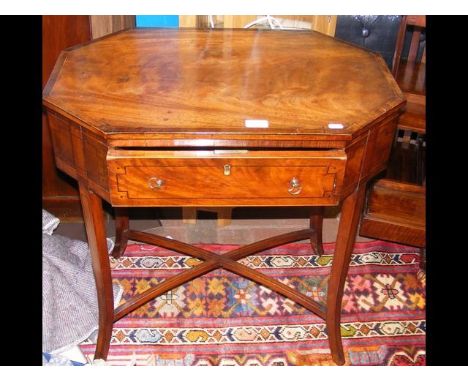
(224, 319)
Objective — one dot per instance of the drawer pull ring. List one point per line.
(155, 183)
(227, 169)
(295, 186)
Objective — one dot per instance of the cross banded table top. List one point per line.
(221, 81)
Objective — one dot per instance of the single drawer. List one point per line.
(225, 177)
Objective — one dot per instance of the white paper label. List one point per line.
(335, 126)
(256, 123)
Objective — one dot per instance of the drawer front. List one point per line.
(206, 178)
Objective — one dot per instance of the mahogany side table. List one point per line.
(189, 118)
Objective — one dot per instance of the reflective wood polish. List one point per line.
(154, 117)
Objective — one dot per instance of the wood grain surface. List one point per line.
(157, 118)
(199, 81)
(226, 178)
(396, 211)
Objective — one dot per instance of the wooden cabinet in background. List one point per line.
(396, 205)
(60, 192)
(103, 25)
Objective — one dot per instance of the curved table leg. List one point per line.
(347, 229)
(96, 232)
(316, 222)
(121, 232)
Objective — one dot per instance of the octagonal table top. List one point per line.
(221, 81)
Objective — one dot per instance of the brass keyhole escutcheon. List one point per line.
(227, 169)
(295, 186)
(155, 183)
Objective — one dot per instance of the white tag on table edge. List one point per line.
(335, 126)
(256, 123)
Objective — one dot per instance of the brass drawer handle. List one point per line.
(155, 183)
(295, 186)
